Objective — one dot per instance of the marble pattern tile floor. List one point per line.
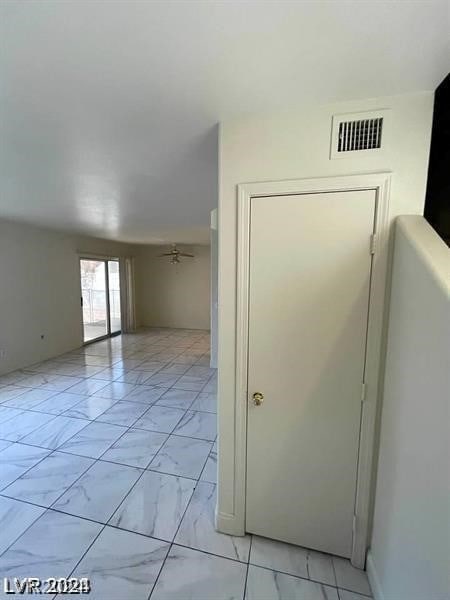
(108, 458)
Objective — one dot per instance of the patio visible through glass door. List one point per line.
(100, 298)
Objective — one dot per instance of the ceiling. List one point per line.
(109, 109)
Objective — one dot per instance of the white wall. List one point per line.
(410, 550)
(173, 296)
(214, 288)
(292, 146)
(40, 291)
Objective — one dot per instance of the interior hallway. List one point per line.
(108, 463)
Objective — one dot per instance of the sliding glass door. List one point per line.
(100, 298)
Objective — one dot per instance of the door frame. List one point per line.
(380, 182)
(105, 260)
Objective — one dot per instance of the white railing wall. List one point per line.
(410, 551)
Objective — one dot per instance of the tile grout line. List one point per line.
(248, 568)
(46, 508)
(25, 530)
(78, 352)
(154, 404)
(59, 448)
(64, 512)
(204, 466)
(321, 583)
(29, 469)
(24, 388)
(53, 450)
(104, 367)
(172, 542)
(4, 495)
(161, 447)
(73, 483)
(19, 440)
(96, 459)
(100, 459)
(86, 551)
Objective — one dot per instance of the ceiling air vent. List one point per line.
(357, 133)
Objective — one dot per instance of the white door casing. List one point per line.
(234, 522)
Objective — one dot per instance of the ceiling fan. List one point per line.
(175, 254)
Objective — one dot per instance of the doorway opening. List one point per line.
(100, 298)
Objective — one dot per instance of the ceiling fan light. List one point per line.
(174, 255)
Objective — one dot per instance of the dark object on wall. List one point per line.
(437, 202)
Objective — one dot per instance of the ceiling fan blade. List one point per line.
(185, 254)
(165, 254)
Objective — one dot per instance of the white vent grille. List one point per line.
(358, 133)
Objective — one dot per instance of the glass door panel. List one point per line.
(94, 299)
(114, 296)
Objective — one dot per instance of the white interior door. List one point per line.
(310, 266)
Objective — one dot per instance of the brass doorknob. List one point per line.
(258, 398)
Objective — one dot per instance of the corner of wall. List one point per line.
(374, 580)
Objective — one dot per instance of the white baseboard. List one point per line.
(373, 578)
(226, 523)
